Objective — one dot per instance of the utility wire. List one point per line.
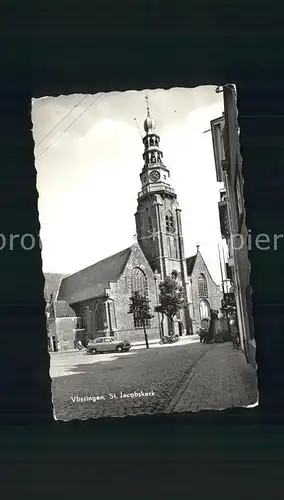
(69, 126)
(138, 128)
(62, 119)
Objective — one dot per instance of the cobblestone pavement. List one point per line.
(222, 379)
(165, 373)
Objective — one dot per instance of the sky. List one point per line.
(88, 157)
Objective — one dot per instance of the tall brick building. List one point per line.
(100, 293)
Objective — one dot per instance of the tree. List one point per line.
(172, 298)
(140, 307)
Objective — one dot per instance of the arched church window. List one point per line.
(175, 249)
(153, 158)
(202, 286)
(139, 284)
(151, 141)
(169, 247)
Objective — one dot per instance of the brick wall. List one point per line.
(120, 293)
(214, 293)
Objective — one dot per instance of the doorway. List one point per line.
(54, 344)
(204, 309)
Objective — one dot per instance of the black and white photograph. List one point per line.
(145, 252)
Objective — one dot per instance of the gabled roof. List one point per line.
(63, 310)
(92, 281)
(52, 284)
(190, 261)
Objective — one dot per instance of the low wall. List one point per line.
(137, 335)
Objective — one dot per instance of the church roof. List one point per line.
(63, 310)
(92, 281)
(190, 261)
(52, 284)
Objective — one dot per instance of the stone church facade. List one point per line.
(203, 294)
(100, 294)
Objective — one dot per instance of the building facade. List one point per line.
(61, 320)
(104, 306)
(203, 293)
(228, 161)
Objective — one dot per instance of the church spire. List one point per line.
(152, 153)
(149, 123)
(155, 175)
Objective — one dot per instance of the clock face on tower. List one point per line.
(154, 175)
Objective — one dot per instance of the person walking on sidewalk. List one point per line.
(211, 330)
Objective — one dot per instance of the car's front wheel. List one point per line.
(94, 351)
(119, 349)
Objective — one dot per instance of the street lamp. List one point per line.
(156, 273)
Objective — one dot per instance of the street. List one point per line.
(179, 377)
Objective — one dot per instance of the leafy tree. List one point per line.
(172, 298)
(140, 307)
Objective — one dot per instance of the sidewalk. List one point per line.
(221, 379)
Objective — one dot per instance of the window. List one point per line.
(100, 314)
(169, 223)
(169, 247)
(239, 197)
(202, 286)
(217, 127)
(139, 284)
(150, 223)
(175, 249)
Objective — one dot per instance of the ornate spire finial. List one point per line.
(197, 247)
(149, 124)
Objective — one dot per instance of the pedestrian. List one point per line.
(204, 330)
(211, 330)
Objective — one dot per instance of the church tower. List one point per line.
(158, 216)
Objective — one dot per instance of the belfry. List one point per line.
(158, 216)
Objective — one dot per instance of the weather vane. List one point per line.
(147, 103)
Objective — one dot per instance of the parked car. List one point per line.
(107, 344)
